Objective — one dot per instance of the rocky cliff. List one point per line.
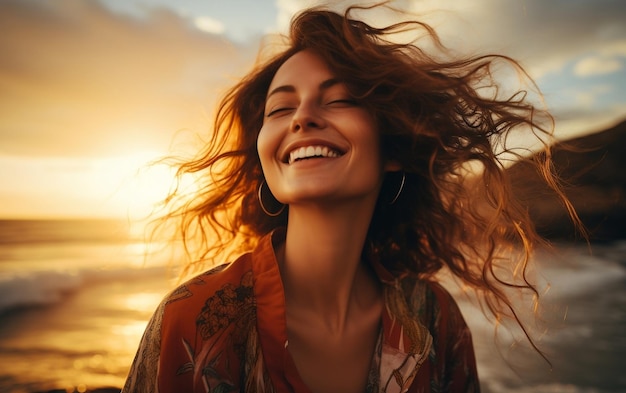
(593, 169)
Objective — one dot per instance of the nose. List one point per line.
(307, 117)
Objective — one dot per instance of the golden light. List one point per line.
(144, 302)
(125, 186)
(136, 183)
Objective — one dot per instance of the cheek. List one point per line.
(370, 140)
(266, 145)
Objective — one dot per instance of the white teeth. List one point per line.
(311, 151)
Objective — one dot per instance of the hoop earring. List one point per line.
(269, 213)
(395, 198)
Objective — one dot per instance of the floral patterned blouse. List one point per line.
(225, 331)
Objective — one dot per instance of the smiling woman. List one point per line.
(322, 117)
(362, 144)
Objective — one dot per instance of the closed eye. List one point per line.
(277, 111)
(342, 102)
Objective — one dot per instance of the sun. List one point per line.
(138, 183)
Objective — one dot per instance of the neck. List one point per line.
(321, 265)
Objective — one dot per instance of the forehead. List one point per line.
(303, 67)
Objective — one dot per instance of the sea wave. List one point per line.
(495, 387)
(576, 271)
(45, 288)
(14, 232)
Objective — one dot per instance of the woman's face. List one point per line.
(316, 143)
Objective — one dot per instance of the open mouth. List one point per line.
(308, 152)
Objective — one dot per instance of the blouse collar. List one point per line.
(406, 342)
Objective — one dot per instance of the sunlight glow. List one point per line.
(128, 186)
(145, 302)
(139, 183)
(129, 334)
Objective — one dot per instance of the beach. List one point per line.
(75, 297)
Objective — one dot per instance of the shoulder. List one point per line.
(421, 292)
(192, 295)
(441, 297)
(452, 353)
(433, 304)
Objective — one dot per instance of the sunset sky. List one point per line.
(90, 90)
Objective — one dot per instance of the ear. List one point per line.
(392, 166)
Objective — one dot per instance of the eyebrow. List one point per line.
(291, 89)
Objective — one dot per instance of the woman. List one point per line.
(349, 170)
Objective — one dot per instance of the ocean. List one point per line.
(75, 297)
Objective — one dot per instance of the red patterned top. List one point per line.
(225, 331)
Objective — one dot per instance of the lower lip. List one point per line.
(313, 161)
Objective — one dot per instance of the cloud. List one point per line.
(574, 122)
(597, 65)
(77, 79)
(607, 59)
(288, 8)
(615, 48)
(210, 25)
(543, 35)
(588, 97)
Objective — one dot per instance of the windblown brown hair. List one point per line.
(444, 121)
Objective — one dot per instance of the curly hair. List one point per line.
(443, 120)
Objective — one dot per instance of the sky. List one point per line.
(91, 91)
